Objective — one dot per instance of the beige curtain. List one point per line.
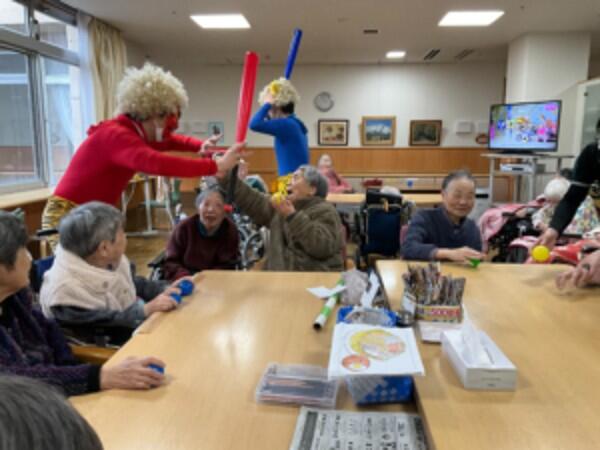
(108, 59)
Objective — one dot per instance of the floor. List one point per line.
(142, 250)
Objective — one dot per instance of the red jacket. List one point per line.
(114, 151)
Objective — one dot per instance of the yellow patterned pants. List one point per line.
(56, 208)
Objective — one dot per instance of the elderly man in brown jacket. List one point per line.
(305, 228)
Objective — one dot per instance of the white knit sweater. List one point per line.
(71, 281)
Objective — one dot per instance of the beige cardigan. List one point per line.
(71, 281)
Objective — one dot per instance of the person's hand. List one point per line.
(209, 143)
(175, 284)
(586, 272)
(132, 373)
(230, 158)
(284, 207)
(548, 238)
(460, 255)
(163, 302)
(268, 98)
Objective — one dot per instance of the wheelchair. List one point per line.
(380, 220)
(251, 248)
(94, 342)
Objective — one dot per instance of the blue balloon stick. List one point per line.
(291, 60)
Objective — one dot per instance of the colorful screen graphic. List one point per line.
(525, 126)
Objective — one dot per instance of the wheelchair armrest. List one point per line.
(46, 233)
(92, 354)
(159, 260)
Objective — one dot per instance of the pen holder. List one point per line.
(432, 313)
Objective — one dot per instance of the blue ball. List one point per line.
(175, 296)
(157, 368)
(186, 286)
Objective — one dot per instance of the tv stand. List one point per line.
(528, 167)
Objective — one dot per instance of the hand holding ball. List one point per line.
(186, 287)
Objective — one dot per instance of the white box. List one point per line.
(502, 376)
(463, 127)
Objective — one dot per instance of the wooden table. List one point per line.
(216, 347)
(346, 199)
(356, 199)
(423, 200)
(16, 199)
(552, 338)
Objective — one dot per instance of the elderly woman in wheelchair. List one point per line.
(33, 346)
(90, 283)
(207, 240)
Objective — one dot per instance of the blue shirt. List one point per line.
(291, 143)
(431, 229)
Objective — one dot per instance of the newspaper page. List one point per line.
(319, 429)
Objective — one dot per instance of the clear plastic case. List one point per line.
(297, 384)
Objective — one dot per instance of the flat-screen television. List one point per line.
(525, 127)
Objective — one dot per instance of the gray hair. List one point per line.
(314, 179)
(35, 416)
(456, 175)
(206, 192)
(84, 228)
(13, 236)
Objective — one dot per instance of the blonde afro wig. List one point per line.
(150, 92)
(282, 91)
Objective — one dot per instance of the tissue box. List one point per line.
(502, 376)
(435, 313)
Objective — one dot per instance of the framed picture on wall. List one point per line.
(217, 127)
(425, 132)
(378, 130)
(333, 131)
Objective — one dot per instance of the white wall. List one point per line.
(136, 56)
(542, 65)
(594, 68)
(448, 92)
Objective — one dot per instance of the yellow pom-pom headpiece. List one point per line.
(282, 91)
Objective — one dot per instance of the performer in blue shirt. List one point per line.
(276, 117)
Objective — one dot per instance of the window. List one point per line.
(13, 16)
(17, 156)
(62, 114)
(56, 32)
(40, 107)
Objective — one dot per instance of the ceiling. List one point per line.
(333, 29)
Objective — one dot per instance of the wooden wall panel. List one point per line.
(433, 160)
(376, 161)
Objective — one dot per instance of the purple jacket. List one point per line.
(33, 346)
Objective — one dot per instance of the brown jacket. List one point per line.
(308, 240)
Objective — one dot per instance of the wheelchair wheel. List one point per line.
(253, 249)
(517, 255)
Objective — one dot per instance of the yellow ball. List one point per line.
(278, 197)
(540, 253)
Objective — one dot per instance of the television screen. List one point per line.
(525, 126)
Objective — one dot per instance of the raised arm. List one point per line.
(252, 203)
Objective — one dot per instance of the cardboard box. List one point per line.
(501, 376)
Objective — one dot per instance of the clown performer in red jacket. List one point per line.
(149, 104)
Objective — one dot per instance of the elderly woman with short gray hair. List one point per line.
(208, 240)
(35, 347)
(91, 281)
(305, 230)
